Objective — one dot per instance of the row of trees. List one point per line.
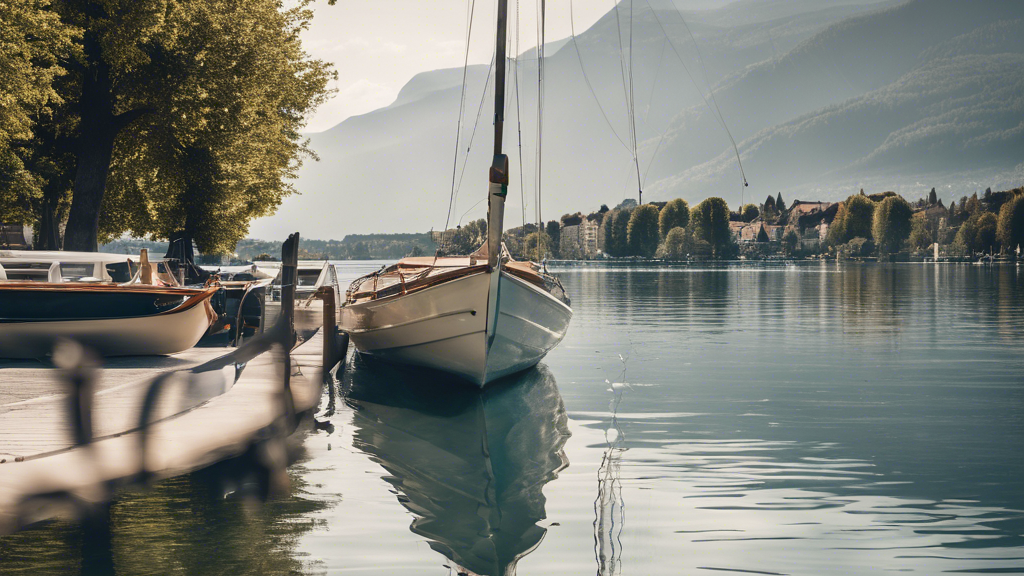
(674, 229)
(888, 223)
(161, 118)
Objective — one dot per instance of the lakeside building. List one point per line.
(578, 237)
(755, 232)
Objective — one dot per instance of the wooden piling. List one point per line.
(335, 343)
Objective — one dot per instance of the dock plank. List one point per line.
(194, 427)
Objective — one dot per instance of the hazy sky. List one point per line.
(378, 45)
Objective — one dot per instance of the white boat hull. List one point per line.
(446, 327)
(160, 334)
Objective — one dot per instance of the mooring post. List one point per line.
(330, 328)
(289, 278)
(79, 367)
(335, 341)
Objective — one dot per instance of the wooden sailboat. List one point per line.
(481, 316)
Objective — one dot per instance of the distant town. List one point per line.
(864, 226)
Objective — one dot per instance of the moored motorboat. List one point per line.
(114, 320)
(482, 316)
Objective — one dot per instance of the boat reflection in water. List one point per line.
(470, 464)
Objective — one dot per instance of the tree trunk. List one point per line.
(95, 148)
(49, 223)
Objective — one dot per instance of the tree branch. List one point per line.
(123, 119)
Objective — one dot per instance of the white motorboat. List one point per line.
(114, 320)
(482, 316)
(119, 305)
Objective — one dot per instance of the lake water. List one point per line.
(812, 419)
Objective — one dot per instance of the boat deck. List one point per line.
(192, 426)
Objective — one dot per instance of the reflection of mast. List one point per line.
(469, 465)
(609, 506)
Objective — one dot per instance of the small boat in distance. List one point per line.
(481, 316)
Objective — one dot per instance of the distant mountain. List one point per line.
(937, 100)
(952, 116)
(820, 99)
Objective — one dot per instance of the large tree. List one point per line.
(189, 115)
(853, 220)
(986, 239)
(554, 232)
(711, 223)
(1010, 229)
(676, 243)
(749, 213)
(33, 40)
(920, 236)
(642, 232)
(615, 225)
(675, 214)
(891, 224)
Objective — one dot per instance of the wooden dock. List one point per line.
(64, 452)
(192, 427)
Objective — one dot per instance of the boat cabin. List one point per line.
(57, 266)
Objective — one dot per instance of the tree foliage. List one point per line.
(853, 220)
(790, 240)
(616, 225)
(711, 224)
(675, 214)
(537, 246)
(891, 224)
(554, 232)
(973, 204)
(642, 231)
(675, 243)
(223, 148)
(963, 243)
(33, 40)
(920, 236)
(1010, 228)
(985, 239)
(464, 240)
(749, 213)
(184, 115)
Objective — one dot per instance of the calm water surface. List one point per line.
(812, 419)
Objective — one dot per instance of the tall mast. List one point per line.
(499, 76)
(498, 177)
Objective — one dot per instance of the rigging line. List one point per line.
(461, 218)
(519, 130)
(572, 29)
(622, 65)
(650, 97)
(718, 117)
(510, 63)
(712, 92)
(655, 154)
(632, 106)
(664, 132)
(540, 113)
(476, 124)
(458, 129)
